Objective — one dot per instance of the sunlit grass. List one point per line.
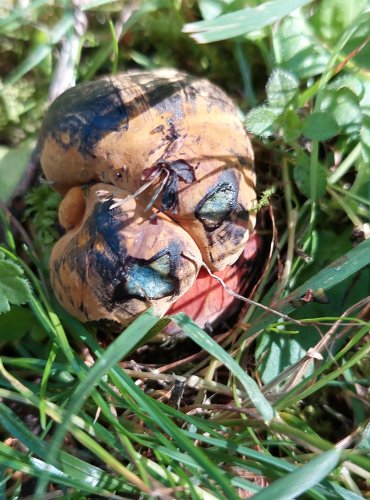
(276, 402)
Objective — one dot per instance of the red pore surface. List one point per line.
(208, 302)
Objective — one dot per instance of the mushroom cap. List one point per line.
(119, 259)
(178, 132)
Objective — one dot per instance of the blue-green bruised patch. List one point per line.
(151, 279)
(218, 204)
(83, 114)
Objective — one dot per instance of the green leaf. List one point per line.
(281, 88)
(299, 481)
(349, 81)
(302, 177)
(344, 493)
(35, 467)
(15, 323)
(14, 288)
(206, 342)
(261, 121)
(243, 21)
(320, 126)
(299, 48)
(344, 106)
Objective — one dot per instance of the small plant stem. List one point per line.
(292, 222)
(347, 479)
(350, 194)
(356, 221)
(345, 165)
(212, 367)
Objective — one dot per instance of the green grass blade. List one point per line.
(124, 344)
(336, 272)
(207, 343)
(35, 467)
(77, 469)
(42, 50)
(242, 21)
(302, 479)
(44, 382)
(157, 413)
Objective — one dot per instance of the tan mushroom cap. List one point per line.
(120, 130)
(116, 263)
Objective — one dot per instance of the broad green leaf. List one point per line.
(261, 121)
(277, 352)
(302, 479)
(206, 342)
(281, 88)
(344, 106)
(319, 126)
(14, 288)
(243, 21)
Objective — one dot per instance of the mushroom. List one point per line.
(115, 263)
(174, 144)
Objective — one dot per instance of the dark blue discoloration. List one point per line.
(165, 97)
(224, 219)
(99, 255)
(218, 204)
(150, 279)
(82, 115)
(98, 248)
(107, 246)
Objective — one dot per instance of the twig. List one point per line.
(240, 297)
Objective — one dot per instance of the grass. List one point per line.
(275, 407)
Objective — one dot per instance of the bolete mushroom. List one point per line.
(158, 175)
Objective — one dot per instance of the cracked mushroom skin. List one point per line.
(178, 134)
(114, 263)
